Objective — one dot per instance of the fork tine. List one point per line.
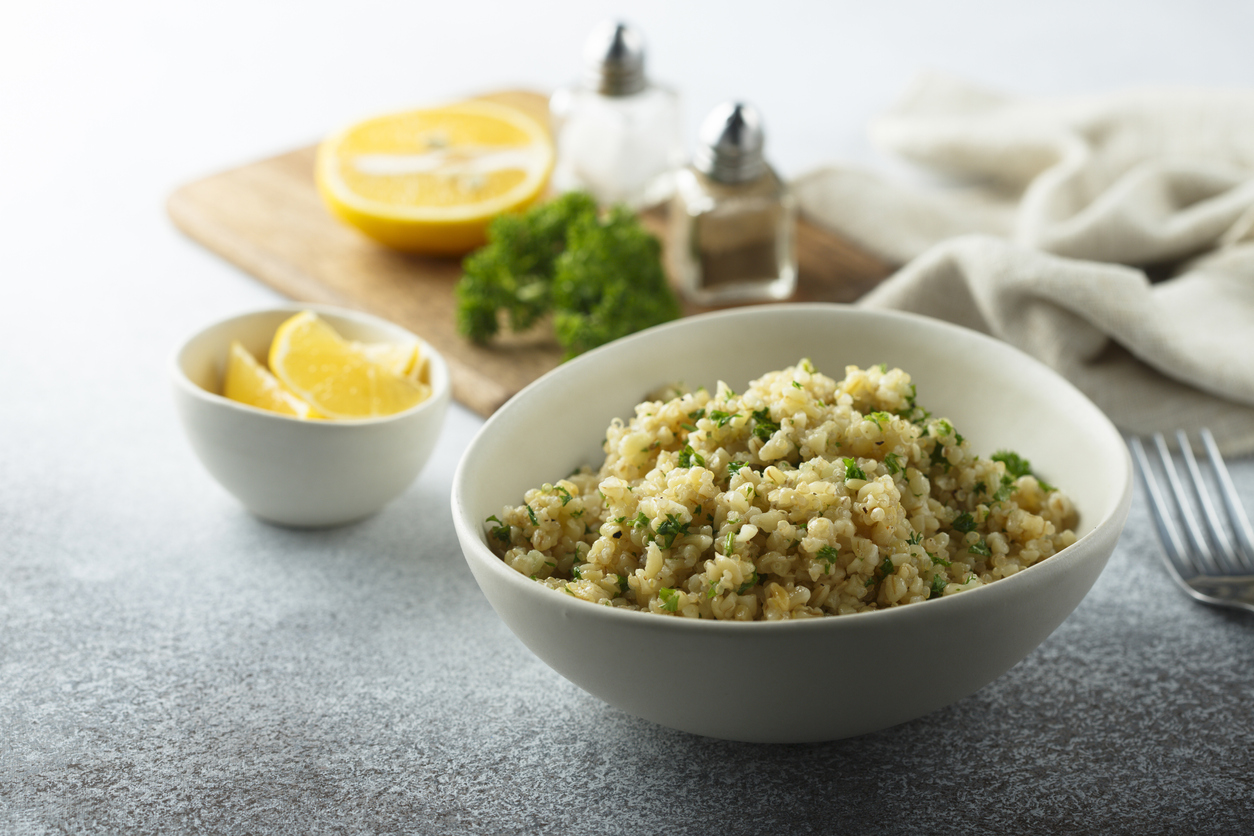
(1168, 536)
(1197, 539)
(1236, 512)
(1217, 528)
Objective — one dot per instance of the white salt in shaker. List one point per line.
(618, 135)
(733, 220)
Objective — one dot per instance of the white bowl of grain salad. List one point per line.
(791, 523)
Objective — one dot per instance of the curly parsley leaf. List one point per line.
(912, 411)
(513, 273)
(609, 282)
(763, 426)
(601, 279)
(688, 457)
(747, 585)
(500, 531)
(1015, 465)
(671, 528)
(1004, 491)
(880, 418)
(852, 471)
(1018, 466)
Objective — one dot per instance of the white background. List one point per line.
(107, 107)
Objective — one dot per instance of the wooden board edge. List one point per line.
(200, 227)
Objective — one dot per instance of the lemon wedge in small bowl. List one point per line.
(339, 381)
(249, 382)
(430, 181)
(307, 473)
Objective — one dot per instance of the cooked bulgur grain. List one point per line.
(802, 497)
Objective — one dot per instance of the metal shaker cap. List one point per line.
(614, 59)
(729, 144)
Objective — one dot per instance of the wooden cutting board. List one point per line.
(267, 219)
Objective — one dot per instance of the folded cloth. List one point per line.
(1048, 219)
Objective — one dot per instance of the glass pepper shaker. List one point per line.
(733, 220)
(618, 136)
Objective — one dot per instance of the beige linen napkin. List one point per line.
(1041, 223)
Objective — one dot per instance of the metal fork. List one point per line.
(1215, 566)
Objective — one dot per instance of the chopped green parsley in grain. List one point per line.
(805, 496)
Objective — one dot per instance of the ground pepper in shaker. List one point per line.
(733, 220)
(618, 136)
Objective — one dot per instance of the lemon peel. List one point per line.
(430, 181)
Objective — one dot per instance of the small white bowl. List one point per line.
(294, 472)
(817, 679)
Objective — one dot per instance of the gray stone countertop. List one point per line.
(168, 663)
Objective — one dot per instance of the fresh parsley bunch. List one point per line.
(601, 278)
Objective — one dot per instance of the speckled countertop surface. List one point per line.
(169, 664)
(233, 676)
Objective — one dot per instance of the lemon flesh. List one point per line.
(401, 359)
(248, 382)
(336, 379)
(430, 181)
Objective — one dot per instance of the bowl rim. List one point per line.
(440, 379)
(476, 550)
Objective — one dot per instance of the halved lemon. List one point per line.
(248, 382)
(336, 379)
(429, 181)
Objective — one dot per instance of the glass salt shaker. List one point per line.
(733, 221)
(618, 135)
